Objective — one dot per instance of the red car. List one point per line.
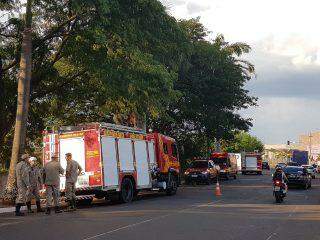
(201, 171)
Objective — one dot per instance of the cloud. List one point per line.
(286, 53)
(280, 74)
(196, 8)
(278, 119)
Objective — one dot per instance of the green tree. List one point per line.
(244, 142)
(92, 61)
(212, 86)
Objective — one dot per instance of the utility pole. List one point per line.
(310, 147)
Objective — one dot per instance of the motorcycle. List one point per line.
(279, 191)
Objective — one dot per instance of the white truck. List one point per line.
(251, 163)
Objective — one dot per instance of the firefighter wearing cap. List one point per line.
(23, 183)
(35, 182)
(73, 170)
(51, 175)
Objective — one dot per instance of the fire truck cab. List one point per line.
(117, 161)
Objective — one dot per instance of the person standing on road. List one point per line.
(73, 170)
(23, 183)
(51, 175)
(35, 182)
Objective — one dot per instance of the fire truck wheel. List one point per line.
(172, 185)
(127, 191)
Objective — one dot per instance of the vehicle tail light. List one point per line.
(277, 183)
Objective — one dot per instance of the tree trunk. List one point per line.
(2, 110)
(24, 79)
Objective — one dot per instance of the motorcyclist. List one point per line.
(280, 176)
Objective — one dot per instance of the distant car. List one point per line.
(297, 176)
(311, 170)
(282, 165)
(316, 167)
(201, 171)
(265, 165)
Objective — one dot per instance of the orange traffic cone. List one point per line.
(218, 190)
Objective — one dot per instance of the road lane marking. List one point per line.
(12, 223)
(148, 220)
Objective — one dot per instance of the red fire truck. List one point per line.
(228, 168)
(118, 161)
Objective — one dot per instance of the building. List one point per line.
(311, 143)
(277, 153)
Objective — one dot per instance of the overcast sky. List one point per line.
(285, 37)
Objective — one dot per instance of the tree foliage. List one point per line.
(103, 60)
(244, 142)
(93, 61)
(212, 84)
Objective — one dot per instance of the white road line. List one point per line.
(148, 220)
(125, 227)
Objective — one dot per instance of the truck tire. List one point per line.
(172, 185)
(84, 202)
(127, 191)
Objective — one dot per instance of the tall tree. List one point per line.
(22, 100)
(212, 86)
(93, 61)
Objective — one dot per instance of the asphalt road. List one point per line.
(246, 210)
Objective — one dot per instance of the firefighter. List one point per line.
(35, 182)
(23, 183)
(51, 175)
(73, 170)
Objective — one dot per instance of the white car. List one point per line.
(311, 170)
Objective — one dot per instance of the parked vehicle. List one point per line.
(228, 169)
(252, 163)
(279, 191)
(201, 171)
(311, 170)
(297, 176)
(118, 161)
(265, 165)
(300, 157)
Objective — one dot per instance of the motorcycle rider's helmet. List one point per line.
(278, 169)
